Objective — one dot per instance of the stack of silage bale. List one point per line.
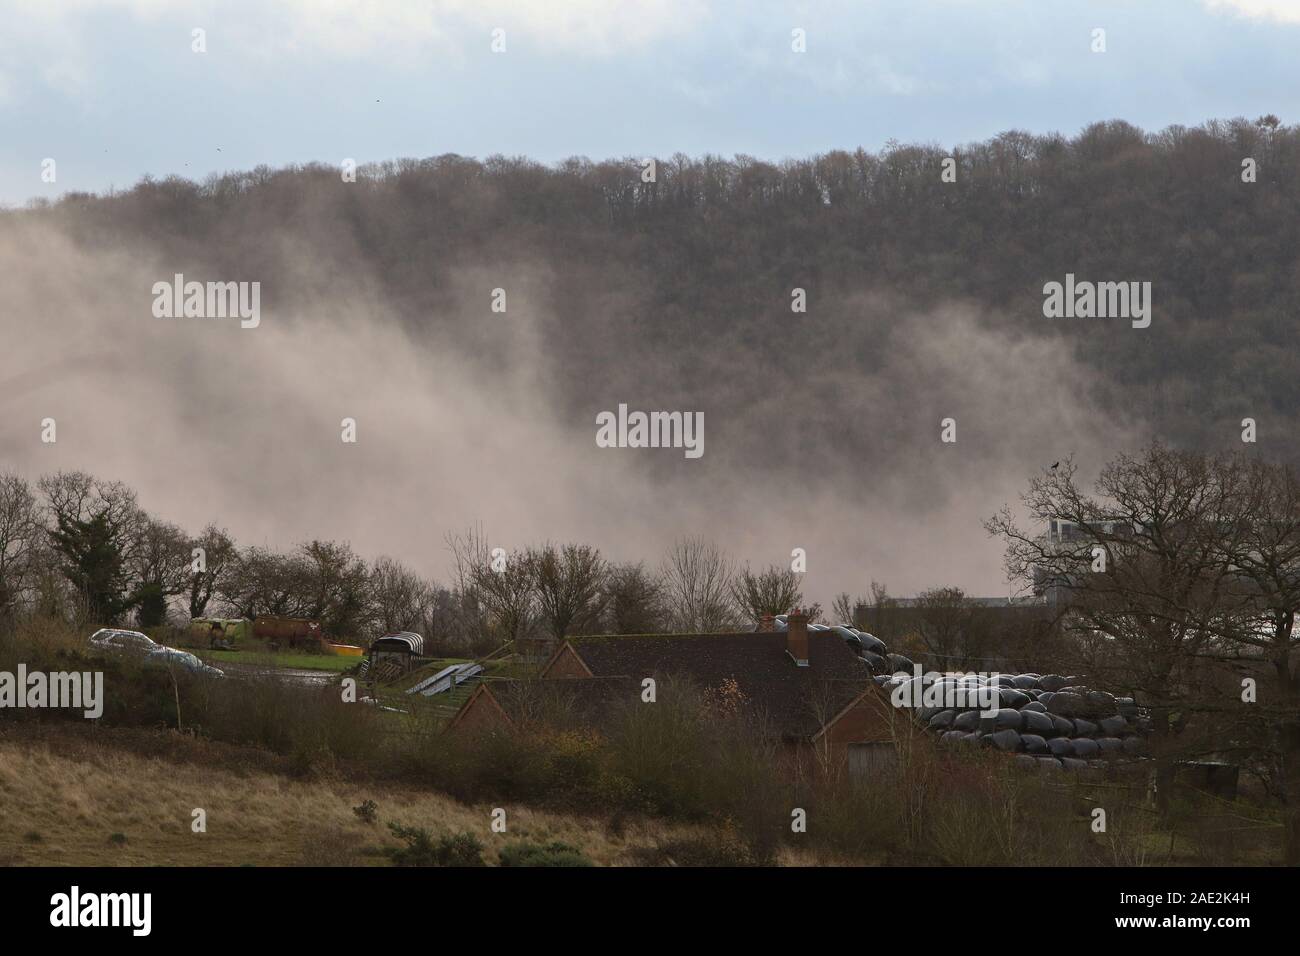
(1047, 721)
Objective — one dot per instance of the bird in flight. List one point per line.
(1054, 466)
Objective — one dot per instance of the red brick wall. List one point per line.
(566, 664)
(867, 722)
(481, 713)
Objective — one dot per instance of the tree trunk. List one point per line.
(1290, 739)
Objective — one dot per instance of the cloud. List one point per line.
(61, 47)
(1283, 11)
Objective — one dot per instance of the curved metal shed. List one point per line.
(407, 642)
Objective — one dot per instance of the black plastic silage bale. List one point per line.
(1034, 744)
(1051, 682)
(1008, 740)
(942, 720)
(1061, 746)
(1103, 702)
(1004, 718)
(899, 662)
(1113, 726)
(968, 721)
(1035, 722)
(872, 643)
(877, 663)
(1013, 698)
(1067, 704)
(1085, 747)
(1110, 746)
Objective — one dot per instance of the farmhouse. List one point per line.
(831, 696)
(810, 687)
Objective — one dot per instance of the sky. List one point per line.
(113, 90)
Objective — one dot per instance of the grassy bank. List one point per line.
(76, 798)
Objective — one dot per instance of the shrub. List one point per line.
(717, 848)
(536, 854)
(367, 812)
(461, 849)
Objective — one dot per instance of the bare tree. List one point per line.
(570, 584)
(1266, 557)
(843, 607)
(499, 582)
(159, 569)
(636, 601)
(338, 588)
(1140, 577)
(773, 591)
(469, 615)
(944, 625)
(401, 599)
(697, 579)
(261, 581)
(20, 534)
(219, 559)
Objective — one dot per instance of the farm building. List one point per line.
(830, 694)
(401, 648)
(812, 689)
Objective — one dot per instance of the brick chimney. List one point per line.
(766, 624)
(796, 636)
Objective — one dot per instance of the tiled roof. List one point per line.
(797, 700)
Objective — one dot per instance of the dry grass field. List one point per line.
(81, 799)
